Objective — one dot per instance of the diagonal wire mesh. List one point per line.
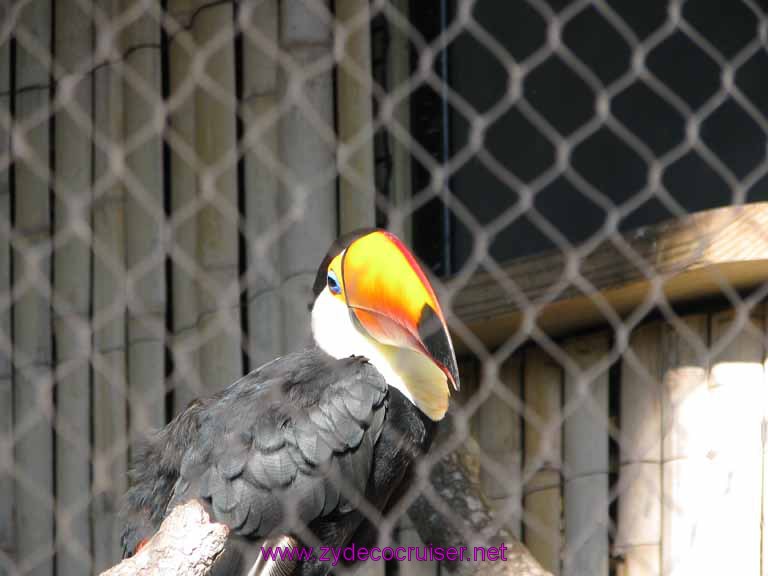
(586, 181)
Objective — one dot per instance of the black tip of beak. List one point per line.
(437, 341)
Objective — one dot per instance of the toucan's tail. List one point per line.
(153, 475)
(244, 557)
(264, 566)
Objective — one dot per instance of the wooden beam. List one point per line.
(585, 450)
(695, 256)
(354, 105)
(72, 290)
(260, 113)
(110, 392)
(145, 224)
(542, 494)
(638, 538)
(33, 353)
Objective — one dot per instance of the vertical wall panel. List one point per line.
(497, 424)
(184, 198)
(7, 528)
(354, 105)
(263, 169)
(398, 74)
(764, 438)
(586, 458)
(764, 446)
(736, 389)
(145, 223)
(684, 449)
(110, 393)
(33, 407)
(220, 352)
(638, 539)
(542, 504)
(72, 289)
(308, 198)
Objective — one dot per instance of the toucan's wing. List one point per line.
(290, 442)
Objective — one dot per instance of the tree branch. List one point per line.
(187, 543)
(456, 489)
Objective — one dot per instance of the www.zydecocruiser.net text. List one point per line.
(353, 553)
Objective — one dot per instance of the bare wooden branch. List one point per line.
(187, 543)
(457, 512)
(456, 481)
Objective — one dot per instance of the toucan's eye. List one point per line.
(333, 283)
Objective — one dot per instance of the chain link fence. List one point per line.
(584, 179)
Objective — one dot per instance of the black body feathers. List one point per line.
(292, 447)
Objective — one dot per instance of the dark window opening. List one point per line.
(615, 168)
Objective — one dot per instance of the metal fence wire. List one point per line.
(585, 181)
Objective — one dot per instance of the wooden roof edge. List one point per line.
(687, 258)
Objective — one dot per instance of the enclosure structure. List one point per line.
(637, 429)
(583, 178)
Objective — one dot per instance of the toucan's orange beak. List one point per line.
(391, 297)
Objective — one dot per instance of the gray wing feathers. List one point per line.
(271, 460)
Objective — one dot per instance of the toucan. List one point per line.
(313, 447)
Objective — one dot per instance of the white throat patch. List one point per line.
(414, 375)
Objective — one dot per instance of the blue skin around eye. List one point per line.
(333, 283)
